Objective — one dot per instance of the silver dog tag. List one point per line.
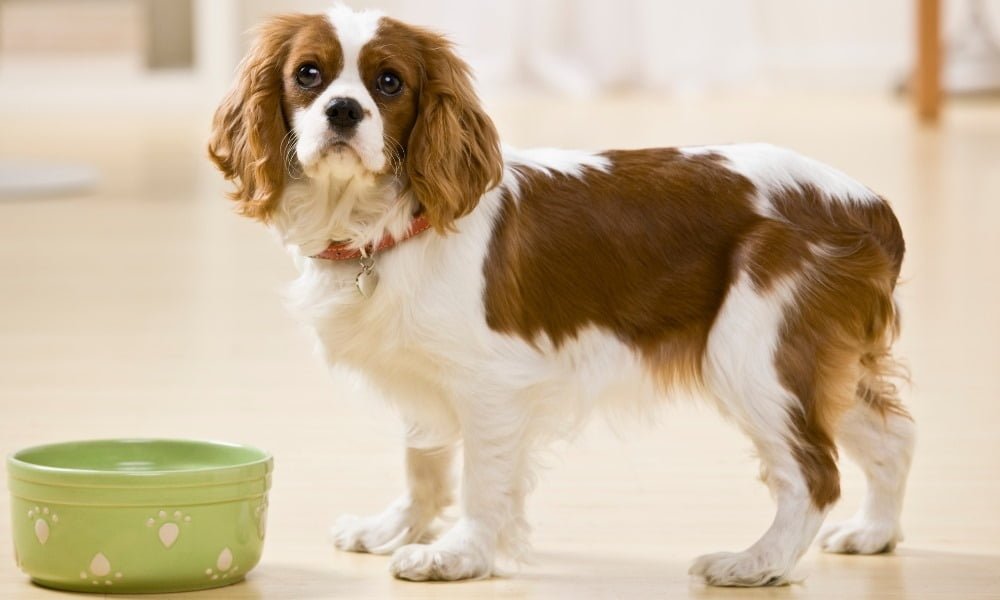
(367, 279)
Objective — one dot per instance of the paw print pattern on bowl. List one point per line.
(44, 521)
(138, 516)
(100, 571)
(170, 526)
(224, 567)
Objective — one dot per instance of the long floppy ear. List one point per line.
(453, 155)
(249, 127)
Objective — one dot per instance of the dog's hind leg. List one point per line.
(879, 436)
(744, 371)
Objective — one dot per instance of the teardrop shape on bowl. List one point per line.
(225, 559)
(168, 534)
(100, 565)
(42, 531)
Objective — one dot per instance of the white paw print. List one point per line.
(100, 571)
(44, 521)
(170, 526)
(224, 567)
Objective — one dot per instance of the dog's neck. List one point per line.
(357, 208)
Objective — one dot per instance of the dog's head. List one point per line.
(348, 94)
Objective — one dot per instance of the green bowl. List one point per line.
(134, 516)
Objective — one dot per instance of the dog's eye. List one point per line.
(308, 76)
(389, 84)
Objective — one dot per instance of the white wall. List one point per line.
(576, 46)
(829, 43)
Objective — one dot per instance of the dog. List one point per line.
(497, 296)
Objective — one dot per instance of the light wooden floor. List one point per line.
(147, 309)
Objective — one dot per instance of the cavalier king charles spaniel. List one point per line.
(497, 296)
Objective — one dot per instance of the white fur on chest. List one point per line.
(423, 341)
(384, 332)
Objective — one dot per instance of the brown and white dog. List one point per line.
(497, 296)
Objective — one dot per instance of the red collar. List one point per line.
(344, 250)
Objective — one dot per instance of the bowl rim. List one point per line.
(250, 470)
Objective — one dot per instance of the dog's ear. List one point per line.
(249, 127)
(453, 155)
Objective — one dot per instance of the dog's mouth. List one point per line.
(341, 156)
(336, 157)
(339, 147)
(339, 151)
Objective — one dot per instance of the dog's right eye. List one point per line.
(308, 76)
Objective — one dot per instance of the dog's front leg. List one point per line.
(495, 481)
(409, 518)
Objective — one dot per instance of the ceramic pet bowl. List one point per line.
(128, 516)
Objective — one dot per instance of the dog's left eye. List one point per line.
(308, 76)
(389, 84)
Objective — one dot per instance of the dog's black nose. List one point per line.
(344, 113)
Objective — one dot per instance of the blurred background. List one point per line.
(134, 303)
(575, 47)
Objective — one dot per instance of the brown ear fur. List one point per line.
(453, 155)
(248, 127)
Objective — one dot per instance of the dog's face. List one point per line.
(349, 101)
(347, 94)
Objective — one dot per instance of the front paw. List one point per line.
(378, 534)
(437, 562)
(740, 569)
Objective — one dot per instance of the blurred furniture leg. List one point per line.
(218, 40)
(927, 78)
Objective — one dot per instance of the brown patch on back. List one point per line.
(645, 252)
(649, 251)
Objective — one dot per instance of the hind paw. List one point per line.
(860, 536)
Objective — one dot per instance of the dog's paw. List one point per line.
(437, 562)
(367, 534)
(860, 536)
(379, 534)
(741, 569)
